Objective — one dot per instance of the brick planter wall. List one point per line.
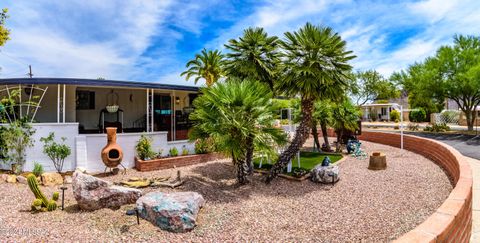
(452, 222)
(178, 161)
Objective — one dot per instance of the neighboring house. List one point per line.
(378, 112)
(80, 109)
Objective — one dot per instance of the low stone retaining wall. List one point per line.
(452, 222)
(171, 162)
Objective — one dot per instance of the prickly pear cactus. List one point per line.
(41, 203)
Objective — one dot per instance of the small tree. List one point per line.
(57, 152)
(17, 137)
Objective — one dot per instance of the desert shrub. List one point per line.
(437, 128)
(184, 150)
(173, 152)
(394, 115)
(144, 148)
(412, 127)
(57, 152)
(37, 169)
(17, 137)
(203, 146)
(418, 115)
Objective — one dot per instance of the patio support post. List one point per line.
(58, 103)
(152, 111)
(174, 117)
(63, 103)
(147, 118)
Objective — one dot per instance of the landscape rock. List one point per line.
(67, 179)
(22, 180)
(11, 179)
(52, 179)
(3, 177)
(92, 193)
(324, 174)
(175, 212)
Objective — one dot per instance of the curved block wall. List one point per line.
(452, 222)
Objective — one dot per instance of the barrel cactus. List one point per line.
(41, 202)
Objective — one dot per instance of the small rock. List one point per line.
(92, 193)
(52, 179)
(67, 179)
(176, 212)
(22, 180)
(3, 177)
(11, 179)
(325, 174)
(81, 169)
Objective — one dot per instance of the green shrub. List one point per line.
(372, 116)
(173, 152)
(418, 115)
(184, 150)
(394, 115)
(57, 152)
(203, 146)
(437, 128)
(37, 169)
(144, 148)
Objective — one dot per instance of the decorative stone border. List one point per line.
(177, 161)
(452, 222)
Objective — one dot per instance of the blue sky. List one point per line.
(152, 40)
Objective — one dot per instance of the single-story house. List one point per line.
(81, 109)
(381, 112)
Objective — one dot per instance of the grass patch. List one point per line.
(308, 160)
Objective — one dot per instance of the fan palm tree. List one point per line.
(315, 66)
(236, 115)
(323, 115)
(207, 64)
(254, 56)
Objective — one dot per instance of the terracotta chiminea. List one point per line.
(112, 153)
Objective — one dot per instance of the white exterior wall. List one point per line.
(35, 153)
(86, 149)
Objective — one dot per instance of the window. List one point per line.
(85, 100)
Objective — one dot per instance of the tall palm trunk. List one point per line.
(240, 170)
(323, 126)
(315, 135)
(339, 133)
(301, 135)
(249, 154)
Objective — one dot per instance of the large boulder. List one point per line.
(175, 212)
(325, 174)
(92, 193)
(52, 179)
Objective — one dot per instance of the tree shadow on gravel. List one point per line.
(216, 182)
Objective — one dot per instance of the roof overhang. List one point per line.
(97, 82)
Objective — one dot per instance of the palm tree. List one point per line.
(207, 65)
(234, 114)
(315, 65)
(345, 116)
(254, 56)
(323, 115)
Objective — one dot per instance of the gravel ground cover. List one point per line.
(367, 206)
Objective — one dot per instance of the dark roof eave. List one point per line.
(96, 82)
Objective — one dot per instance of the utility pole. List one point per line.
(30, 73)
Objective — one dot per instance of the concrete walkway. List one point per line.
(475, 165)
